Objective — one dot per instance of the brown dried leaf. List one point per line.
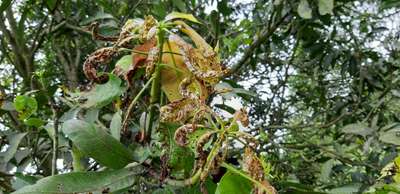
(202, 61)
(252, 165)
(148, 25)
(179, 110)
(181, 133)
(96, 59)
(241, 115)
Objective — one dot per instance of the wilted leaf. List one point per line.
(97, 144)
(82, 182)
(325, 7)
(103, 94)
(304, 10)
(178, 15)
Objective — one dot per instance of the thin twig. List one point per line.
(132, 104)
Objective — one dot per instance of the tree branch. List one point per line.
(265, 34)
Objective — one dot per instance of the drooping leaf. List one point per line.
(103, 94)
(232, 183)
(82, 182)
(178, 15)
(96, 143)
(304, 10)
(14, 140)
(325, 7)
(115, 126)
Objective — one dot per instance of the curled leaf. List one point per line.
(178, 111)
(241, 115)
(253, 166)
(96, 59)
(147, 28)
(181, 133)
(151, 60)
(203, 62)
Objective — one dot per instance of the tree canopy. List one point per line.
(173, 96)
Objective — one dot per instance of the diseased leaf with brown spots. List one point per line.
(253, 166)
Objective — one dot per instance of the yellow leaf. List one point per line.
(178, 15)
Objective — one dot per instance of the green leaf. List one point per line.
(392, 136)
(103, 94)
(51, 4)
(98, 16)
(34, 122)
(115, 126)
(25, 106)
(22, 180)
(326, 171)
(226, 108)
(14, 140)
(304, 10)
(387, 4)
(347, 189)
(179, 158)
(4, 5)
(325, 7)
(232, 183)
(123, 64)
(97, 144)
(178, 15)
(180, 5)
(82, 182)
(358, 129)
(140, 152)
